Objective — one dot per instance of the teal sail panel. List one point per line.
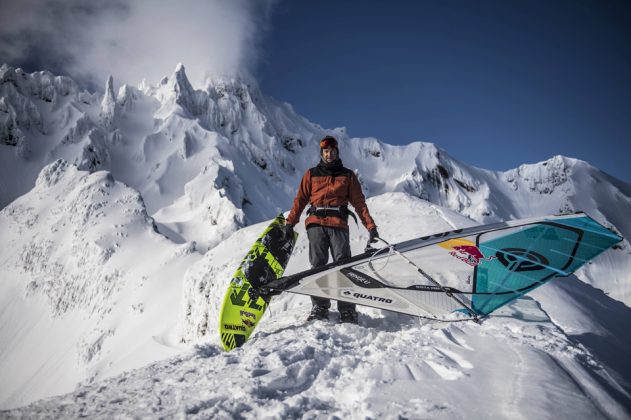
(528, 256)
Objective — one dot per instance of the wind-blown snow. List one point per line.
(124, 215)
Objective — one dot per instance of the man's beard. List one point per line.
(334, 156)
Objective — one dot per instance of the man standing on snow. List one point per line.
(328, 188)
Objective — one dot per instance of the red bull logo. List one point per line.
(465, 251)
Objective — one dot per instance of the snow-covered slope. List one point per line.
(398, 215)
(563, 353)
(390, 367)
(85, 283)
(123, 218)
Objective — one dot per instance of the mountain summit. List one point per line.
(125, 212)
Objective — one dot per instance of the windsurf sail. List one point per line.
(472, 271)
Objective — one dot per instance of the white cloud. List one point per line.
(134, 39)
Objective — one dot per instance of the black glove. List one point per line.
(373, 235)
(288, 231)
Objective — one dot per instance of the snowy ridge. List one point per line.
(132, 210)
(205, 284)
(323, 374)
(171, 142)
(559, 353)
(80, 281)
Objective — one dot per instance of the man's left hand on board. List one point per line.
(288, 230)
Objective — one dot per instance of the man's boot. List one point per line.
(319, 313)
(348, 316)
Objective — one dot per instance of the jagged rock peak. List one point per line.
(177, 90)
(108, 104)
(239, 86)
(181, 84)
(127, 95)
(39, 85)
(109, 87)
(4, 70)
(10, 74)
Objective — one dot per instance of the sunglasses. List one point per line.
(327, 142)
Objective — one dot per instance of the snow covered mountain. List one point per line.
(231, 156)
(82, 269)
(123, 218)
(208, 162)
(561, 351)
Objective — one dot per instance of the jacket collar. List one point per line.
(332, 168)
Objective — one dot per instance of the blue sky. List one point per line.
(494, 83)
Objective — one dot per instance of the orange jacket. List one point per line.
(323, 186)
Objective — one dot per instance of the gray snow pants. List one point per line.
(321, 240)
